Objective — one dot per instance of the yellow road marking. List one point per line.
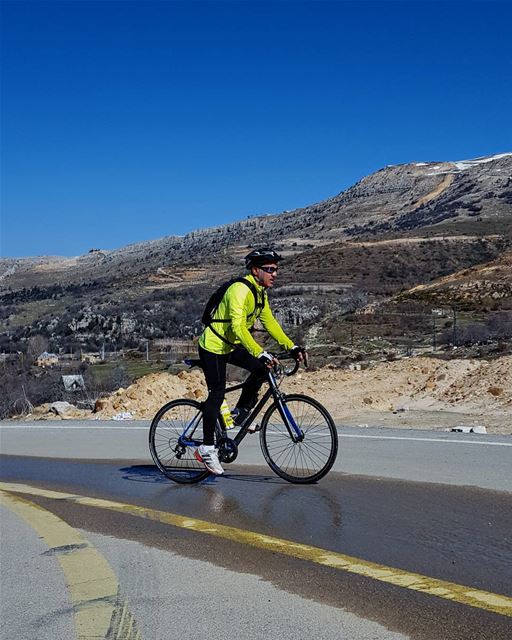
(416, 582)
(99, 612)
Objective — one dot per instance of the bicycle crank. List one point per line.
(228, 449)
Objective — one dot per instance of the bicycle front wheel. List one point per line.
(173, 429)
(308, 459)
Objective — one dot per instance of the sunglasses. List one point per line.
(268, 269)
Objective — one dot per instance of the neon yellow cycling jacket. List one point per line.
(238, 305)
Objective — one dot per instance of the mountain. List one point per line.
(401, 227)
(471, 196)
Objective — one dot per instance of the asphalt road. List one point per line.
(421, 456)
(272, 557)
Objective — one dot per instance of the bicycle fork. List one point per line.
(295, 432)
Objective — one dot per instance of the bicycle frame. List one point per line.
(186, 439)
(296, 434)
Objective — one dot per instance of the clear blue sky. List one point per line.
(125, 121)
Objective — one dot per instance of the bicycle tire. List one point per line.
(302, 462)
(167, 426)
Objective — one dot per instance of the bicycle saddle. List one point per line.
(193, 362)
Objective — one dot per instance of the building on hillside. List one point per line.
(47, 359)
(175, 346)
(91, 358)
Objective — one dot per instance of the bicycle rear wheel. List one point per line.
(311, 458)
(170, 453)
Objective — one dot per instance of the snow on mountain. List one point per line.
(463, 165)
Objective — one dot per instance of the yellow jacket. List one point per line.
(239, 307)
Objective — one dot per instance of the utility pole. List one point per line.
(435, 313)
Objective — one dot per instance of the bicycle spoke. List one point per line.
(177, 461)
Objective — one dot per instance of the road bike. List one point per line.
(298, 437)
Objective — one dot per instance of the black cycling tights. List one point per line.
(214, 367)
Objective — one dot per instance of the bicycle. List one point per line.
(298, 437)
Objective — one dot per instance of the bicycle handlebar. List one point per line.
(285, 355)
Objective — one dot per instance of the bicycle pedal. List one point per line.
(254, 428)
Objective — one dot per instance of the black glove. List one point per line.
(295, 351)
(266, 358)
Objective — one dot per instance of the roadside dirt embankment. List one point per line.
(144, 397)
(417, 392)
(412, 393)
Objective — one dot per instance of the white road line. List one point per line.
(340, 435)
(68, 426)
(72, 428)
(496, 444)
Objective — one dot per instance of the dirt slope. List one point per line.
(491, 281)
(144, 397)
(415, 392)
(418, 384)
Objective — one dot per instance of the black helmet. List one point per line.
(261, 256)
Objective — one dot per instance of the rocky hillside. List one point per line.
(473, 194)
(488, 284)
(398, 228)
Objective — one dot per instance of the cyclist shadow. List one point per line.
(254, 478)
(144, 473)
(151, 474)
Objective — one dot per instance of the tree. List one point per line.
(36, 346)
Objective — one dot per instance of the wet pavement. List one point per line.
(457, 534)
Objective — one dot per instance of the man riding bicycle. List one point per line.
(227, 339)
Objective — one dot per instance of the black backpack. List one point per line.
(216, 298)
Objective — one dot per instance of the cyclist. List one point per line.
(227, 339)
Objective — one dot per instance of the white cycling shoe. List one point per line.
(209, 457)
